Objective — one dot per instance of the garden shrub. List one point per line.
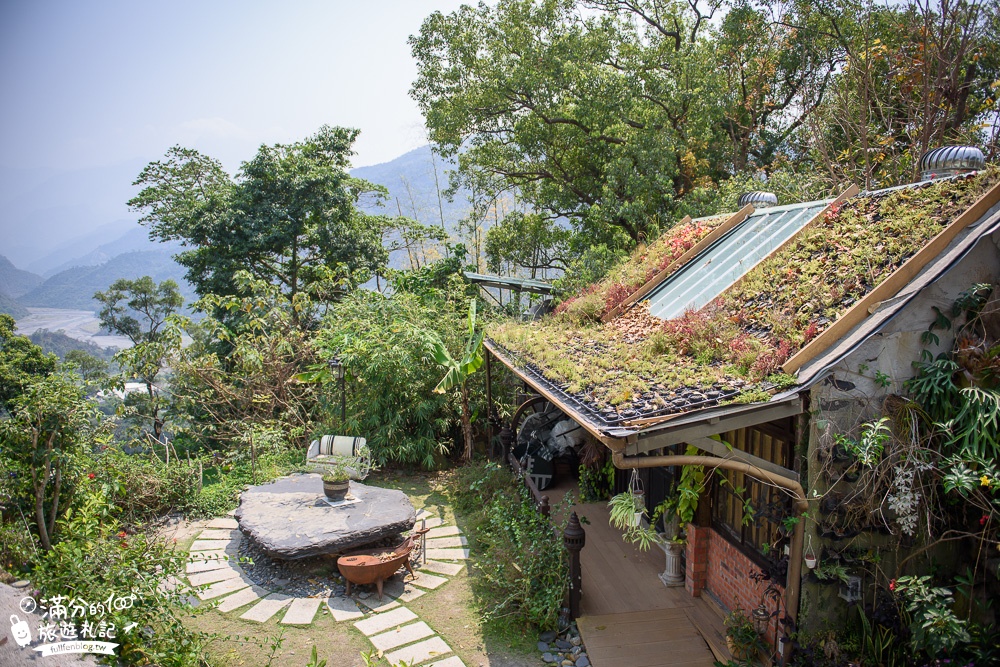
(142, 486)
(522, 563)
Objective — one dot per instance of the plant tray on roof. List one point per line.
(637, 366)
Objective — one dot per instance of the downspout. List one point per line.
(794, 583)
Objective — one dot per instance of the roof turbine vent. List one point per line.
(758, 198)
(950, 161)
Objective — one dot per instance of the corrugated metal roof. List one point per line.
(730, 258)
(508, 282)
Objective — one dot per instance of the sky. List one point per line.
(96, 83)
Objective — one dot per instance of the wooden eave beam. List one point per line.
(558, 402)
(719, 449)
(891, 285)
(695, 250)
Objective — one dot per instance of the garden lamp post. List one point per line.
(337, 367)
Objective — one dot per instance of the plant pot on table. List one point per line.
(336, 490)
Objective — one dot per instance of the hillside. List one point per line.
(74, 288)
(13, 281)
(136, 239)
(11, 307)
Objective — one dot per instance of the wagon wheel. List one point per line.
(529, 413)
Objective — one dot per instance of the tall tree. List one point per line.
(139, 309)
(21, 361)
(289, 218)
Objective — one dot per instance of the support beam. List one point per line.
(719, 449)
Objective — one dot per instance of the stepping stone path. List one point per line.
(214, 572)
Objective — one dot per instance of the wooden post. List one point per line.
(544, 508)
(489, 404)
(507, 440)
(574, 538)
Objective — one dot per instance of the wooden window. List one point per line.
(749, 512)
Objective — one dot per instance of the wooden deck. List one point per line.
(628, 618)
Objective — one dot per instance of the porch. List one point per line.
(628, 618)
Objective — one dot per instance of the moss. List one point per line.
(738, 342)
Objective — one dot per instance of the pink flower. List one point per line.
(892, 585)
(91, 475)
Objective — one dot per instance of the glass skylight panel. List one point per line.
(730, 258)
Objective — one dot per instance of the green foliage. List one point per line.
(289, 219)
(62, 345)
(528, 241)
(689, 488)
(740, 629)
(596, 482)
(20, 362)
(622, 510)
(391, 374)
(459, 370)
(226, 479)
(935, 627)
(874, 435)
(141, 486)
(522, 564)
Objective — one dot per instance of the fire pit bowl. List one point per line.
(374, 566)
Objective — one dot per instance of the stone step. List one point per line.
(400, 636)
(302, 611)
(218, 534)
(223, 588)
(241, 598)
(422, 514)
(428, 581)
(223, 522)
(382, 622)
(201, 556)
(171, 583)
(453, 661)
(268, 607)
(212, 576)
(445, 542)
(343, 609)
(209, 545)
(443, 568)
(194, 567)
(414, 654)
(443, 531)
(401, 591)
(378, 606)
(448, 554)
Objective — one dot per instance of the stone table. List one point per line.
(290, 518)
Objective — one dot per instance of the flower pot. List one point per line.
(336, 490)
(810, 561)
(637, 519)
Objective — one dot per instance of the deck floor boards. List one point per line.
(628, 618)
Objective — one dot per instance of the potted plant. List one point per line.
(336, 471)
(742, 639)
(626, 513)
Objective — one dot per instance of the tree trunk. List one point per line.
(466, 423)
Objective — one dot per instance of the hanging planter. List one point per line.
(639, 501)
(810, 555)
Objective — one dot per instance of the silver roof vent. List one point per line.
(949, 161)
(758, 199)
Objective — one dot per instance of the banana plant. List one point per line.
(458, 371)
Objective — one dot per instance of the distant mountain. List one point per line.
(43, 208)
(75, 287)
(413, 192)
(11, 307)
(13, 281)
(134, 240)
(66, 254)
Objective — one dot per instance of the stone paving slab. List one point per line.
(443, 568)
(421, 652)
(428, 581)
(194, 567)
(422, 514)
(445, 542)
(373, 625)
(213, 576)
(241, 598)
(171, 583)
(267, 607)
(453, 661)
(218, 534)
(343, 609)
(302, 611)
(432, 522)
(223, 588)
(403, 592)
(223, 522)
(443, 531)
(378, 606)
(209, 545)
(216, 555)
(406, 634)
(448, 554)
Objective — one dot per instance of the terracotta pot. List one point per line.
(336, 490)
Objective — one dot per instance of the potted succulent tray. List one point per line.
(336, 473)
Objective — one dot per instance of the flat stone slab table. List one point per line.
(290, 518)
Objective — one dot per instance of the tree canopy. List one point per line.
(288, 218)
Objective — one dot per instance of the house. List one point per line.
(753, 344)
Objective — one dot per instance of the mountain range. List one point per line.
(68, 251)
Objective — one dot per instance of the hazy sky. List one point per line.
(100, 82)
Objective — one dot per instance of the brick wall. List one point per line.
(713, 563)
